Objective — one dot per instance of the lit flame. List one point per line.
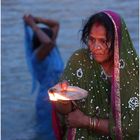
(56, 96)
(72, 93)
(52, 97)
(61, 97)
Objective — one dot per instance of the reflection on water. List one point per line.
(17, 103)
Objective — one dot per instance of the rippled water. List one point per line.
(17, 103)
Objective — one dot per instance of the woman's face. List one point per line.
(98, 44)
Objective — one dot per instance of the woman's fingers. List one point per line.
(64, 85)
(24, 17)
(67, 121)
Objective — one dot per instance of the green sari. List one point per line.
(116, 100)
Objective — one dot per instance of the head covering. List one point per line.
(28, 52)
(125, 60)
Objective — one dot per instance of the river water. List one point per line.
(17, 110)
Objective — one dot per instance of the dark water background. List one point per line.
(17, 110)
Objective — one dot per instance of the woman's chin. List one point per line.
(99, 59)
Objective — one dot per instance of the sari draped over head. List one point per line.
(46, 74)
(118, 100)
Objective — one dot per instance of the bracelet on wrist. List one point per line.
(91, 123)
(94, 123)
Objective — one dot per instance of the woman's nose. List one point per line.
(97, 45)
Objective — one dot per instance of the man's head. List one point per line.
(98, 35)
(35, 40)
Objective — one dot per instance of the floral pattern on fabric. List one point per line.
(122, 64)
(79, 73)
(133, 103)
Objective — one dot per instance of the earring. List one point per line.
(109, 45)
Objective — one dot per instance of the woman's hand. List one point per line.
(77, 119)
(29, 19)
(64, 85)
(62, 106)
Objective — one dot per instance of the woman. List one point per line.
(46, 66)
(108, 70)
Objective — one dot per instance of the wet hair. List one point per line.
(101, 19)
(35, 40)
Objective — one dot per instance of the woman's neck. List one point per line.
(108, 67)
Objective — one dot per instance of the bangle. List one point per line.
(96, 123)
(91, 123)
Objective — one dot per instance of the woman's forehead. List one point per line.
(98, 30)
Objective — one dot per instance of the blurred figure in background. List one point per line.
(46, 66)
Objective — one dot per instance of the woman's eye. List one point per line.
(92, 40)
(103, 41)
